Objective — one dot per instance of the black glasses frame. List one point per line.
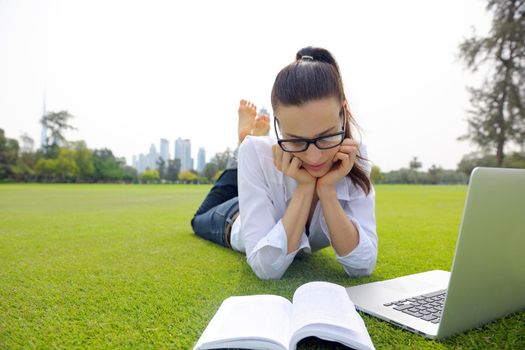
(310, 141)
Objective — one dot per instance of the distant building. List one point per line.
(152, 157)
(201, 159)
(164, 150)
(142, 164)
(183, 152)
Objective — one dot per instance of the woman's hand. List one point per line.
(290, 166)
(343, 162)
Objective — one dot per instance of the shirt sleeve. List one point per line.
(264, 235)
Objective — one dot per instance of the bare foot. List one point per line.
(247, 112)
(261, 126)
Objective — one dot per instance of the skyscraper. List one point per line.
(164, 150)
(143, 164)
(201, 159)
(183, 152)
(152, 157)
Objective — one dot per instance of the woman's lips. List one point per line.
(316, 167)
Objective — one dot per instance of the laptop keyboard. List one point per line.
(427, 307)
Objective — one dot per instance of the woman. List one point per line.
(310, 190)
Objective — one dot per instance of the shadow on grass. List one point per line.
(320, 266)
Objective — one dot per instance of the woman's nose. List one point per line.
(313, 155)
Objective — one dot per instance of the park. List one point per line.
(98, 249)
(118, 266)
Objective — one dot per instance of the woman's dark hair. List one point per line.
(313, 76)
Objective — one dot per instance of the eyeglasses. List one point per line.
(322, 142)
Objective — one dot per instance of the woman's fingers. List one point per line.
(295, 165)
(281, 159)
(277, 156)
(350, 142)
(348, 149)
(344, 166)
(285, 162)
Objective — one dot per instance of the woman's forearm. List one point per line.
(343, 234)
(296, 215)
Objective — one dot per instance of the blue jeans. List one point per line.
(219, 206)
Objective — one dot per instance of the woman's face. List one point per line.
(307, 121)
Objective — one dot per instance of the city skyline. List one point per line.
(182, 151)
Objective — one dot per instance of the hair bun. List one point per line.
(316, 54)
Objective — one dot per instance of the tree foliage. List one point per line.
(210, 169)
(187, 176)
(173, 169)
(221, 159)
(497, 116)
(8, 156)
(150, 176)
(55, 124)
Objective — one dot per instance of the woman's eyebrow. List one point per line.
(318, 135)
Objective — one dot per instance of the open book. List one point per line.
(319, 309)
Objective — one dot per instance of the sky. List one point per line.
(132, 72)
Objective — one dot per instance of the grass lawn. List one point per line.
(117, 266)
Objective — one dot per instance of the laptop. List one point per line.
(487, 280)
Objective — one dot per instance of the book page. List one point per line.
(252, 317)
(324, 310)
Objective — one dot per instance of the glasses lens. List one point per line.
(293, 146)
(330, 141)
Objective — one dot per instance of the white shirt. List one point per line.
(264, 195)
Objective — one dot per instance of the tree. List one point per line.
(27, 143)
(515, 160)
(27, 159)
(84, 160)
(187, 176)
(221, 159)
(8, 156)
(435, 174)
(375, 175)
(149, 176)
(497, 116)
(217, 175)
(129, 173)
(202, 180)
(161, 166)
(210, 169)
(55, 124)
(172, 172)
(45, 169)
(415, 164)
(66, 168)
(107, 167)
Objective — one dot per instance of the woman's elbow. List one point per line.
(361, 271)
(265, 271)
(268, 273)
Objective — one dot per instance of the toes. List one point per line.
(263, 119)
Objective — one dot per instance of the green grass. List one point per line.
(117, 266)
